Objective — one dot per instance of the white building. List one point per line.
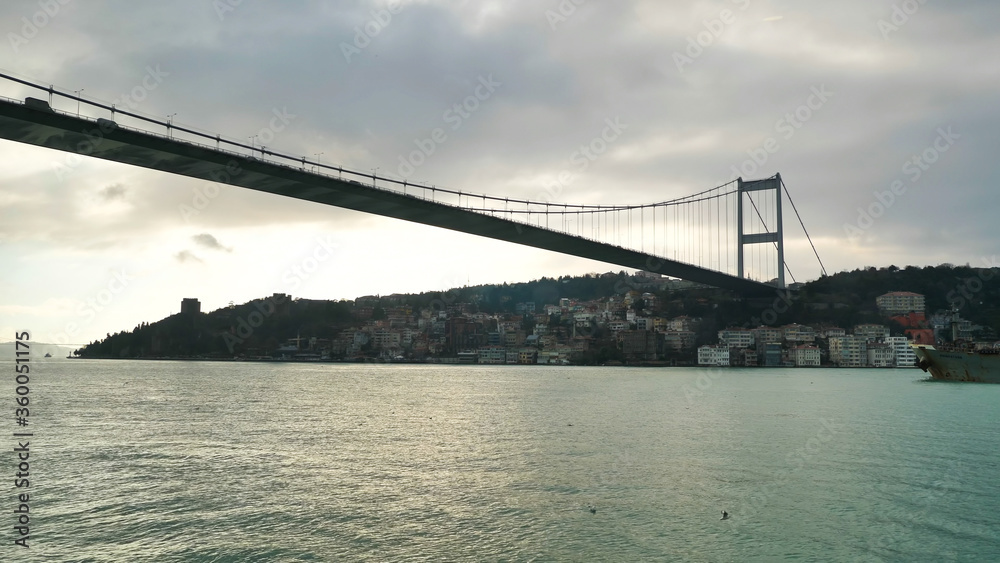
(617, 326)
(905, 358)
(833, 331)
(713, 356)
(881, 355)
(681, 323)
(736, 338)
(900, 302)
(493, 355)
(806, 356)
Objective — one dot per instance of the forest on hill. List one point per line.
(844, 299)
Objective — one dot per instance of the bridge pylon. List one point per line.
(744, 188)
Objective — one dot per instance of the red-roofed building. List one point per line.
(912, 319)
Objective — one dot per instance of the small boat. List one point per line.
(47, 355)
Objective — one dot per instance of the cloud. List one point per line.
(114, 191)
(185, 256)
(208, 241)
(607, 60)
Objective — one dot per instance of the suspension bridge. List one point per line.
(730, 236)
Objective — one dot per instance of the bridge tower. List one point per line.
(744, 238)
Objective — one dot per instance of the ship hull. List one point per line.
(949, 365)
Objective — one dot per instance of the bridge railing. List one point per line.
(196, 138)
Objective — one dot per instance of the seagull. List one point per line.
(593, 509)
(725, 515)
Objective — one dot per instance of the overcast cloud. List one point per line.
(884, 82)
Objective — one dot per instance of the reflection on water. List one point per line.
(240, 461)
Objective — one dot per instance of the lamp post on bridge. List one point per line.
(78, 92)
(374, 172)
(170, 121)
(251, 138)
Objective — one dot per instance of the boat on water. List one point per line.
(47, 355)
(957, 364)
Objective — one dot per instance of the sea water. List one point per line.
(226, 461)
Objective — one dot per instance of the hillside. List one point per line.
(259, 327)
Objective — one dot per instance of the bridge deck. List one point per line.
(84, 136)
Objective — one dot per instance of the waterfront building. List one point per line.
(880, 355)
(493, 355)
(770, 354)
(713, 355)
(386, 339)
(638, 344)
(902, 352)
(849, 351)
(527, 356)
(806, 356)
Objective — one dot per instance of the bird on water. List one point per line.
(725, 515)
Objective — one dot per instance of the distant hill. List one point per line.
(844, 299)
(974, 292)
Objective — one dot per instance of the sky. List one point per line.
(881, 117)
